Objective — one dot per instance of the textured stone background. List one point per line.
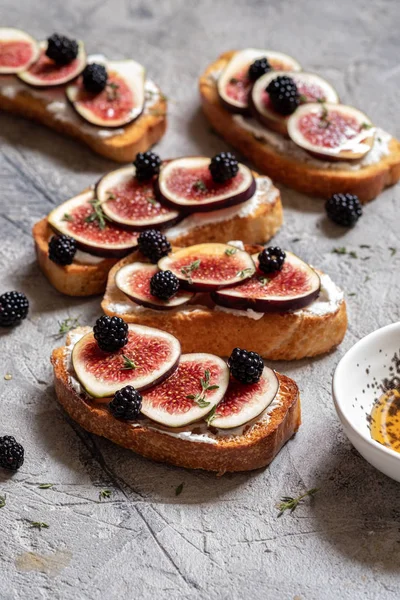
(220, 538)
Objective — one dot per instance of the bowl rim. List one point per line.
(388, 452)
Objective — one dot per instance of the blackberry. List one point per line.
(164, 285)
(283, 94)
(147, 165)
(344, 209)
(94, 78)
(271, 259)
(62, 249)
(11, 453)
(223, 166)
(246, 367)
(153, 244)
(111, 333)
(61, 49)
(259, 67)
(14, 307)
(126, 404)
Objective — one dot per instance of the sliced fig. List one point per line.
(18, 50)
(131, 202)
(82, 218)
(208, 267)
(45, 72)
(234, 84)
(242, 403)
(134, 281)
(186, 183)
(197, 385)
(292, 288)
(121, 101)
(331, 131)
(311, 88)
(149, 357)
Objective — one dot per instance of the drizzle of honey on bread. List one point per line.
(385, 420)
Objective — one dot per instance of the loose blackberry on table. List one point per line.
(344, 209)
(111, 333)
(153, 244)
(245, 366)
(223, 166)
(61, 49)
(94, 78)
(11, 453)
(147, 165)
(271, 259)
(164, 285)
(259, 67)
(14, 307)
(284, 95)
(62, 249)
(126, 404)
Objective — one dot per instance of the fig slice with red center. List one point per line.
(45, 72)
(234, 84)
(244, 402)
(134, 281)
(82, 218)
(121, 101)
(295, 286)
(208, 267)
(149, 357)
(18, 50)
(331, 131)
(187, 184)
(311, 88)
(131, 202)
(192, 391)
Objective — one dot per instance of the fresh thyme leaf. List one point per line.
(321, 100)
(233, 80)
(8, 376)
(3, 501)
(379, 139)
(112, 91)
(353, 254)
(323, 119)
(230, 251)
(199, 186)
(67, 217)
(289, 503)
(128, 363)
(38, 525)
(392, 251)
(365, 125)
(212, 415)
(178, 489)
(97, 214)
(68, 324)
(303, 98)
(45, 486)
(111, 196)
(294, 240)
(365, 246)
(202, 403)
(352, 294)
(367, 278)
(341, 250)
(205, 387)
(188, 269)
(104, 494)
(151, 200)
(245, 272)
(264, 280)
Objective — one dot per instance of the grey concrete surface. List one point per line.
(220, 539)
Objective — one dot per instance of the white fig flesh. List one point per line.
(121, 101)
(311, 88)
(295, 286)
(18, 50)
(243, 402)
(150, 356)
(198, 384)
(234, 84)
(131, 202)
(207, 267)
(134, 281)
(187, 184)
(76, 218)
(45, 72)
(331, 131)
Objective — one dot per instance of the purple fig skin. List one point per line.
(101, 251)
(264, 305)
(229, 201)
(279, 126)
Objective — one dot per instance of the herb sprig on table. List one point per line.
(290, 503)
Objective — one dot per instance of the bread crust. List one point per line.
(367, 182)
(137, 136)
(276, 336)
(252, 450)
(87, 280)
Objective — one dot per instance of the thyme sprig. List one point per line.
(68, 324)
(245, 272)
(187, 270)
(230, 251)
(324, 122)
(342, 250)
(38, 525)
(264, 280)
(129, 364)
(67, 217)
(200, 398)
(104, 494)
(97, 214)
(112, 91)
(212, 415)
(289, 503)
(199, 186)
(3, 501)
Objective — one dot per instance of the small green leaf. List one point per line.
(178, 490)
(45, 486)
(128, 363)
(230, 251)
(199, 186)
(392, 251)
(289, 503)
(104, 494)
(303, 98)
(233, 80)
(3, 501)
(212, 415)
(68, 324)
(245, 272)
(353, 254)
(341, 250)
(365, 125)
(38, 525)
(67, 217)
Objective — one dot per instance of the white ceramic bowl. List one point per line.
(355, 387)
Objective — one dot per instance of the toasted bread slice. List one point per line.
(202, 328)
(83, 279)
(253, 448)
(120, 144)
(309, 177)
